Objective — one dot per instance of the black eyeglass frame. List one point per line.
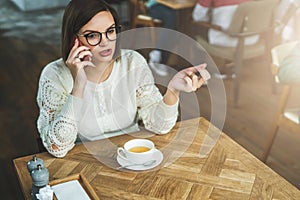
(117, 28)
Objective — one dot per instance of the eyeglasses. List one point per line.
(94, 38)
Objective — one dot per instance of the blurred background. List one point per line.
(30, 39)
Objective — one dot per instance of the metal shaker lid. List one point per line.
(34, 162)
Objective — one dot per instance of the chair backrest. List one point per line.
(253, 16)
(139, 7)
(140, 15)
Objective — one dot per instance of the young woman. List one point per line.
(97, 90)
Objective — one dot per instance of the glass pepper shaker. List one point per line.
(33, 163)
(40, 178)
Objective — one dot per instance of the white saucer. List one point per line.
(158, 156)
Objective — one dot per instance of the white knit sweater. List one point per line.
(107, 109)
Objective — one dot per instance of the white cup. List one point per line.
(137, 151)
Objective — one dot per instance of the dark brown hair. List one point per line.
(76, 15)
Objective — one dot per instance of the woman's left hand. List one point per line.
(189, 79)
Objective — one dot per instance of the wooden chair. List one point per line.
(251, 18)
(140, 17)
(287, 118)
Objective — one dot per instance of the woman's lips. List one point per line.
(105, 53)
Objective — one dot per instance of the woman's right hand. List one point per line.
(79, 58)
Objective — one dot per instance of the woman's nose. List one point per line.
(104, 42)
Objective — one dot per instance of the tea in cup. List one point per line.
(137, 151)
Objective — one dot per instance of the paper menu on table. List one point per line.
(70, 190)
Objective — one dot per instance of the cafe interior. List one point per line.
(257, 112)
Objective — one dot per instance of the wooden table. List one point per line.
(227, 172)
(178, 4)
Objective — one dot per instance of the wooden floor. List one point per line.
(249, 124)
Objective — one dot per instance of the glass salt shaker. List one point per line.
(33, 163)
(40, 178)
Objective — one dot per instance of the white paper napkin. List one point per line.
(45, 193)
(70, 190)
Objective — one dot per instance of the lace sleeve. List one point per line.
(156, 115)
(57, 123)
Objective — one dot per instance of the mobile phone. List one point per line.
(73, 41)
(79, 44)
